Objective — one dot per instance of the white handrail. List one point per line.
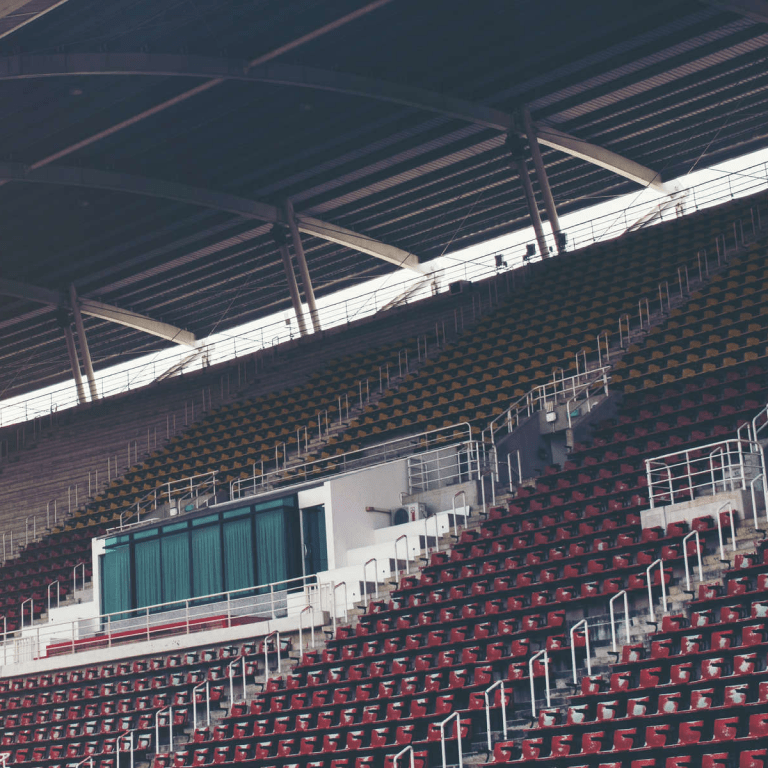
(573, 648)
(737, 464)
(119, 740)
(58, 596)
(604, 335)
(159, 712)
(397, 757)
(88, 760)
(456, 495)
(311, 609)
(626, 616)
(74, 577)
(407, 553)
(623, 318)
(752, 482)
(536, 398)
(31, 611)
(720, 528)
(488, 711)
(546, 678)
(687, 536)
(365, 582)
(647, 312)
(206, 684)
(380, 453)
(231, 674)
(458, 736)
(426, 534)
(649, 584)
(335, 587)
(276, 635)
(755, 429)
(719, 450)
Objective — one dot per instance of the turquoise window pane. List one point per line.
(271, 546)
(116, 580)
(175, 551)
(238, 554)
(206, 561)
(148, 578)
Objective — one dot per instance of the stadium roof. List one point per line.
(149, 146)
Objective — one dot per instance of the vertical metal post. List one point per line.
(281, 242)
(301, 259)
(541, 176)
(74, 362)
(515, 147)
(83, 342)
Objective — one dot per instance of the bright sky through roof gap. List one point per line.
(368, 296)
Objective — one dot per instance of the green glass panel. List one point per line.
(206, 561)
(175, 551)
(238, 554)
(116, 580)
(147, 567)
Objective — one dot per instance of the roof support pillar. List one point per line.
(83, 342)
(515, 146)
(281, 241)
(74, 362)
(541, 175)
(306, 281)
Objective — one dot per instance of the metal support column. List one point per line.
(83, 341)
(281, 241)
(306, 281)
(516, 148)
(541, 175)
(74, 362)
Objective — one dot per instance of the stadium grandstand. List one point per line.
(509, 510)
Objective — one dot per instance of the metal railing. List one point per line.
(560, 390)
(280, 599)
(573, 629)
(278, 651)
(366, 597)
(311, 610)
(121, 740)
(232, 671)
(380, 453)
(404, 751)
(697, 539)
(159, 712)
(611, 609)
(531, 662)
(606, 227)
(448, 465)
(190, 489)
(453, 716)
(705, 470)
(206, 684)
(649, 584)
(503, 706)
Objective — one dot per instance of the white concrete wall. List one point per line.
(352, 526)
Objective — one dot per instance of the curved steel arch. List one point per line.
(211, 68)
(207, 198)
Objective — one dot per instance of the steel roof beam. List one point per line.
(137, 322)
(207, 198)
(165, 65)
(98, 309)
(25, 11)
(753, 9)
(611, 161)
